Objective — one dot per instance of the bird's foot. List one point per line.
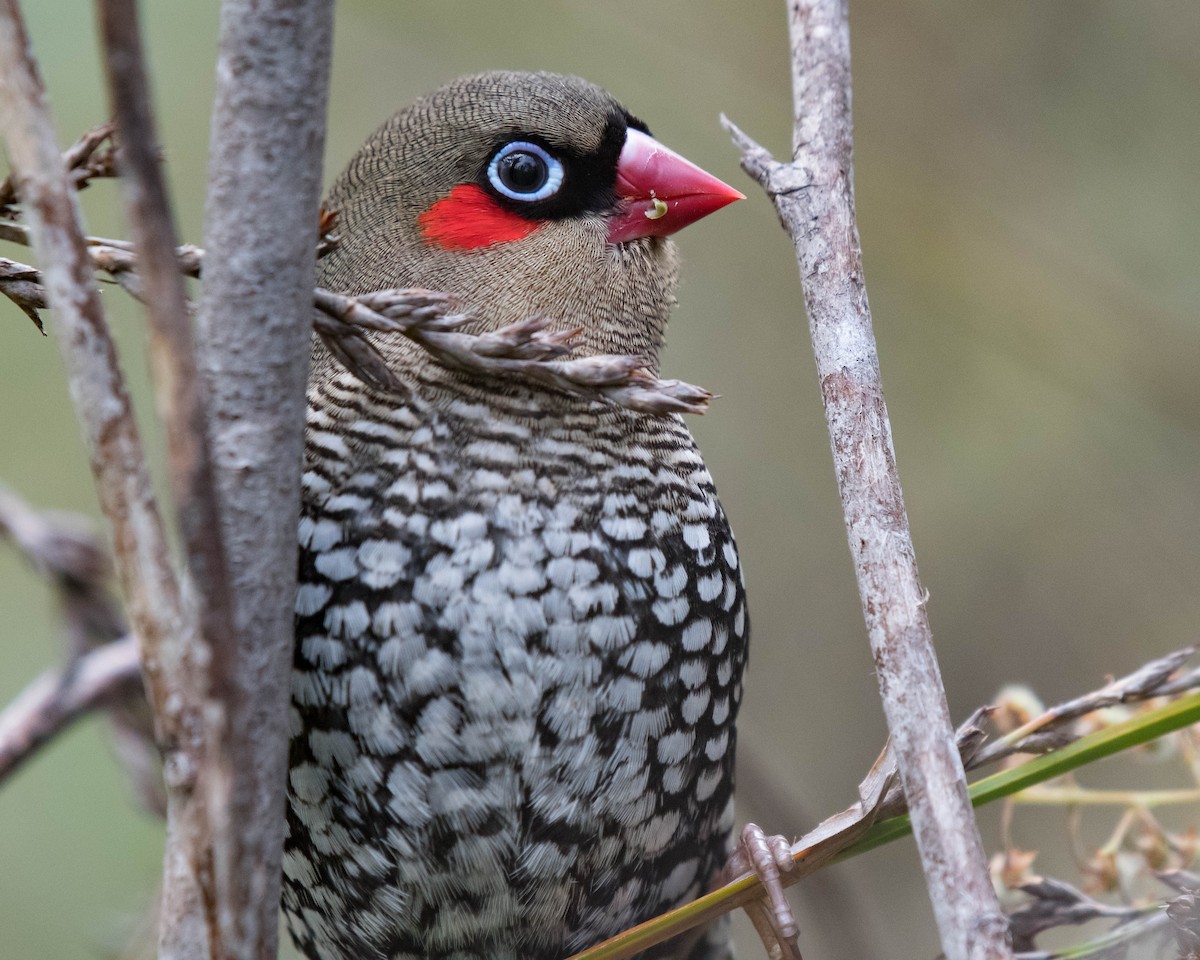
(766, 856)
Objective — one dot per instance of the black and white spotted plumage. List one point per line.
(521, 631)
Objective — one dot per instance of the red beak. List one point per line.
(661, 191)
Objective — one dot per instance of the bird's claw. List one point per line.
(766, 857)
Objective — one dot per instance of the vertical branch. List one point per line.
(180, 391)
(255, 317)
(190, 915)
(161, 621)
(815, 200)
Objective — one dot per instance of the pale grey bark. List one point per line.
(815, 200)
(254, 325)
(57, 698)
(160, 618)
(218, 681)
(96, 384)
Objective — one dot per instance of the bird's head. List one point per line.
(523, 194)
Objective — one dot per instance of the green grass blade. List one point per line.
(1087, 749)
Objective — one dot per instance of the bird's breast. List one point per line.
(519, 659)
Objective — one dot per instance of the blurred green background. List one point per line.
(1028, 201)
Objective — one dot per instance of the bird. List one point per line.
(521, 621)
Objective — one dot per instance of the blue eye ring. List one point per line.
(503, 165)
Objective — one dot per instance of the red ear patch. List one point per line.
(467, 217)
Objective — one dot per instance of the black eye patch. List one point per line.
(588, 179)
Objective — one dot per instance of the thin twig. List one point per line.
(179, 391)
(91, 156)
(528, 349)
(1160, 677)
(57, 698)
(76, 561)
(114, 257)
(1053, 903)
(20, 283)
(191, 900)
(815, 201)
(97, 386)
(66, 552)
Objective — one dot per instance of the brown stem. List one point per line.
(187, 880)
(529, 349)
(180, 391)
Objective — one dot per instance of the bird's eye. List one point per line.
(524, 171)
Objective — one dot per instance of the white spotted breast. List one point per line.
(520, 644)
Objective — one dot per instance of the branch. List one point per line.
(526, 349)
(1053, 904)
(91, 156)
(54, 700)
(21, 284)
(181, 396)
(253, 323)
(192, 907)
(1158, 678)
(815, 201)
(878, 817)
(75, 562)
(98, 390)
(114, 257)
(78, 566)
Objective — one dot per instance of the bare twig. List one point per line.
(49, 705)
(1158, 678)
(527, 349)
(261, 213)
(188, 883)
(64, 550)
(815, 201)
(180, 392)
(91, 156)
(76, 562)
(97, 387)
(20, 283)
(1051, 904)
(114, 257)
